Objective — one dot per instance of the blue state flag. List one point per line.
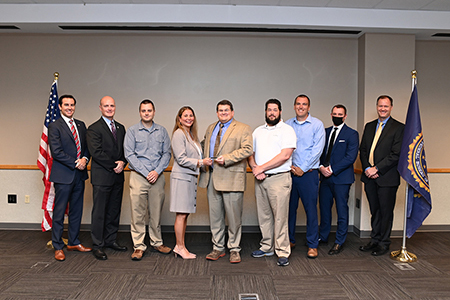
(412, 167)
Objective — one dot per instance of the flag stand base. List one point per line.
(403, 256)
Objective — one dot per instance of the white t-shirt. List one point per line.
(268, 141)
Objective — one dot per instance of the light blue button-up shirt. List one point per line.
(310, 142)
(147, 149)
(212, 141)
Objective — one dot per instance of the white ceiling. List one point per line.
(420, 17)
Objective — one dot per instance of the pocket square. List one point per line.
(341, 141)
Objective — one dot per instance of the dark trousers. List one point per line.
(328, 193)
(381, 203)
(107, 203)
(73, 194)
(306, 188)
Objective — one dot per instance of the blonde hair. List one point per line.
(193, 131)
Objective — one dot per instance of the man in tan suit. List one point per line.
(229, 143)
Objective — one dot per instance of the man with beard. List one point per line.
(273, 144)
(305, 175)
(337, 176)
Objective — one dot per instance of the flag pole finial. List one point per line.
(414, 74)
(56, 74)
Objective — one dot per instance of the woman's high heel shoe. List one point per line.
(183, 254)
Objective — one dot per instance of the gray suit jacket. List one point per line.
(185, 154)
(235, 147)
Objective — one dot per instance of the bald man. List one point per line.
(105, 140)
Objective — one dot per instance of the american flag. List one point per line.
(45, 160)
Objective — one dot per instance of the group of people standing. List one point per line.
(295, 160)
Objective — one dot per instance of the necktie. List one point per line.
(218, 137)
(75, 137)
(330, 148)
(374, 143)
(113, 130)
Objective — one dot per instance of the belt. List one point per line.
(269, 175)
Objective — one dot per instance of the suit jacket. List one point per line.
(343, 155)
(64, 151)
(386, 153)
(185, 155)
(105, 152)
(235, 147)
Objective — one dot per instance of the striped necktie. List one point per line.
(113, 130)
(75, 137)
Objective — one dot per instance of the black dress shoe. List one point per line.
(380, 250)
(336, 249)
(322, 242)
(99, 254)
(369, 247)
(117, 247)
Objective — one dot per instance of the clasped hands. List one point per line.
(372, 173)
(81, 163)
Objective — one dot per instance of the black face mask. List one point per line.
(338, 121)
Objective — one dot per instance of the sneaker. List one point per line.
(260, 253)
(235, 257)
(215, 255)
(283, 261)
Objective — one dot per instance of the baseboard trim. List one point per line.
(245, 228)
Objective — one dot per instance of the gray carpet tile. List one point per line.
(176, 287)
(298, 265)
(169, 265)
(31, 286)
(229, 287)
(431, 287)
(309, 287)
(372, 286)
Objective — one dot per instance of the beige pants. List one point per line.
(272, 202)
(231, 205)
(146, 197)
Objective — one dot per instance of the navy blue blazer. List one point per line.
(343, 155)
(64, 151)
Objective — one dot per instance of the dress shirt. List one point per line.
(212, 141)
(335, 138)
(310, 142)
(147, 149)
(67, 120)
(108, 122)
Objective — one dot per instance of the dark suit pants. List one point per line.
(73, 194)
(328, 192)
(107, 203)
(381, 203)
(306, 188)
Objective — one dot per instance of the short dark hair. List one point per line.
(303, 96)
(146, 101)
(339, 106)
(273, 101)
(224, 102)
(67, 96)
(386, 97)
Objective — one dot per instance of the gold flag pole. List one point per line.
(403, 255)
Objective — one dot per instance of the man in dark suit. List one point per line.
(379, 154)
(105, 142)
(336, 176)
(67, 140)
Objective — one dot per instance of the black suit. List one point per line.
(69, 181)
(107, 185)
(381, 192)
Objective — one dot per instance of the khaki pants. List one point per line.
(231, 205)
(146, 197)
(272, 201)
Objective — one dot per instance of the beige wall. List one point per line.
(200, 70)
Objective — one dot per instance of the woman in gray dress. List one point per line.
(187, 155)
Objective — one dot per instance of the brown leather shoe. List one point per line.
(79, 247)
(235, 257)
(215, 255)
(292, 245)
(137, 254)
(163, 249)
(312, 253)
(59, 255)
